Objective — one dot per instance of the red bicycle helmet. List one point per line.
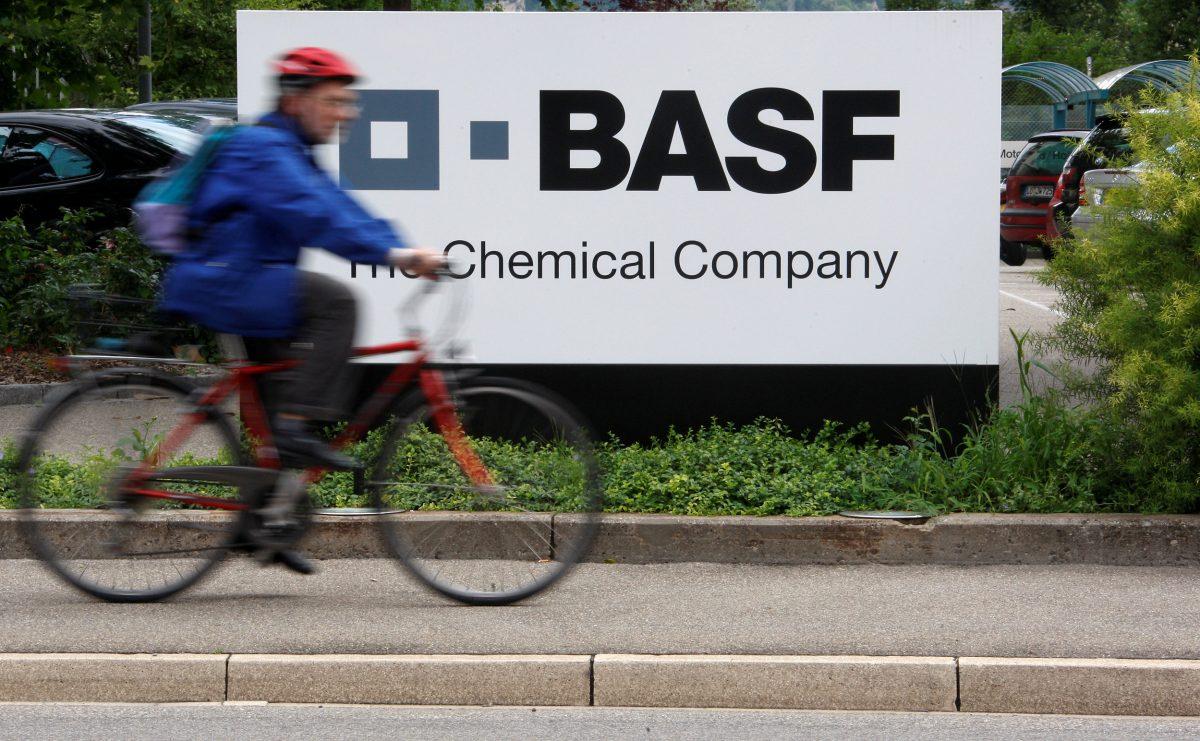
(311, 64)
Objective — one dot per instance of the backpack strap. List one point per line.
(195, 233)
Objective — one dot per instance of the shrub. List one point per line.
(1041, 456)
(758, 469)
(1131, 297)
(36, 269)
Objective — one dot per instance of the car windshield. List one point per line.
(1110, 145)
(1043, 157)
(178, 131)
(1101, 148)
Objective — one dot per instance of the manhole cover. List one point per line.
(887, 514)
(349, 511)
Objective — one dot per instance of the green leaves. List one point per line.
(85, 51)
(1131, 298)
(57, 53)
(37, 268)
(1031, 37)
(1041, 456)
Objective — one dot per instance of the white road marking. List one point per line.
(1035, 304)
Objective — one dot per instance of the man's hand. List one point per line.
(418, 260)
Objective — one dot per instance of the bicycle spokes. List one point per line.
(472, 504)
(144, 531)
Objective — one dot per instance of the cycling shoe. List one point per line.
(290, 559)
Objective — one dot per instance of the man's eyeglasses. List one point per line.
(346, 105)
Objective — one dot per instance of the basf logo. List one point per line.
(663, 189)
(677, 111)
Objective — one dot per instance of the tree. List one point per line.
(1167, 29)
(84, 52)
(54, 56)
(1075, 15)
(1039, 41)
(941, 4)
(668, 5)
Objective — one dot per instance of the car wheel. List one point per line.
(1047, 251)
(1012, 253)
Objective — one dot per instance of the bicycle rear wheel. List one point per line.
(497, 506)
(82, 513)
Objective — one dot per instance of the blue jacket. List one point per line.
(265, 198)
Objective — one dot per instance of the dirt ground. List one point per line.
(28, 366)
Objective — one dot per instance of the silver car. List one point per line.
(1095, 187)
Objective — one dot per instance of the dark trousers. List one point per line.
(324, 336)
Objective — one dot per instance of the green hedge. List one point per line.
(37, 265)
(1131, 295)
(1042, 456)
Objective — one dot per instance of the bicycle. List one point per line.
(486, 489)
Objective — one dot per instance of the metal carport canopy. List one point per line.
(1164, 74)
(1064, 86)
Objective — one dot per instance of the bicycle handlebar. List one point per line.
(441, 279)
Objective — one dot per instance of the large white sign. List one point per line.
(661, 188)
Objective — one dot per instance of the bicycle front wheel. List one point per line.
(89, 512)
(493, 500)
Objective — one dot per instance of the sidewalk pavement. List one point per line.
(1123, 639)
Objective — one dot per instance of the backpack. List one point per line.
(161, 209)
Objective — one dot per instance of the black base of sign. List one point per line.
(636, 402)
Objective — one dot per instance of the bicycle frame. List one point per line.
(241, 380)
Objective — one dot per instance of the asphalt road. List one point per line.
(359, 722)
(369, 606)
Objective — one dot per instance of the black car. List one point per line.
(1107, 143)
(224, 108)
(86, 158)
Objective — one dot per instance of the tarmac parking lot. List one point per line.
(1025, 306)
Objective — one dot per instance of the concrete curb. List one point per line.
(916, 683)
(112, 677)
(961, 540)
(1080, 686)
(895, 683)
(25, 393)
(412, 680)
(34, 393)
(958, 539)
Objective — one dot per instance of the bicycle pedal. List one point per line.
(282, 532)
(193, 403)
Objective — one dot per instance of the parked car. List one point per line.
(1106, 142)
(1011, 253)
(1028, 189)
(1094, 187)
(223, 108)
(94, 158)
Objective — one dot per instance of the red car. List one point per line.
(1028, 189)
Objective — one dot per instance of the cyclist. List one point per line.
(263, 197)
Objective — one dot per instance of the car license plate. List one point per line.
(1037, 191)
